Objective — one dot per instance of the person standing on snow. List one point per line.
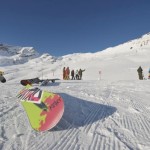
(140, 73)
(67, 73)
(64, 73)
(80, 74)
(77, 75)
(149, 74)
(72, 74)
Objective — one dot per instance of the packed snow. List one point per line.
(109, 109)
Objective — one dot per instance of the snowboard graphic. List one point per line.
(37, 81)
(44, 109)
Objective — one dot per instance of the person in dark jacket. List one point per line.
(140, 73)
(149, 73)
(72, 75)
(80, 74)
(77, 75)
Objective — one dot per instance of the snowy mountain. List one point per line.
(108, 110)
(10, 55)
(115, 63)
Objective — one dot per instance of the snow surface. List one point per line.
(108, 110)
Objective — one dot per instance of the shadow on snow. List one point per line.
(79, 112)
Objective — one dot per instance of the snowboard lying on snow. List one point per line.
(37, 81)
(44, 109)
(46, 81)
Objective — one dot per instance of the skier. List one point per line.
(80, 74)
(140, 73)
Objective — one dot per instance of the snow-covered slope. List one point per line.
(120, 62)
(115, 63)
(11, 55)
(100, 114)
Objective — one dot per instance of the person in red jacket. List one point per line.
(64, 73)
(67, 73)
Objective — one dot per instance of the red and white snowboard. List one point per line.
(44, 109)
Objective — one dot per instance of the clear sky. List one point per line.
(62, 27)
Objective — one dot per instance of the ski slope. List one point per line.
(107, 111)
(98, 115)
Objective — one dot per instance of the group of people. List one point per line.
(75, 75)
(140, 73)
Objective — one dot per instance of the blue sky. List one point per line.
(61, 27)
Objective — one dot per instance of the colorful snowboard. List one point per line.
(44, 109)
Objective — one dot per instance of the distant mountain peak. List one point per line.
(16, 54)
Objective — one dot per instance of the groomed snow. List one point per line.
(107, 111)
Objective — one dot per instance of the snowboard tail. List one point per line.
(44, 110)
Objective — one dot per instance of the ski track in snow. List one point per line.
(116, 116)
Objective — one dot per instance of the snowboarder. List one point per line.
(140, 73)
(80, 74)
